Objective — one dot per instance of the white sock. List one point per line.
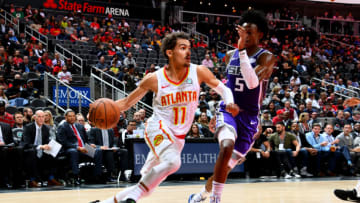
(357, 188)
(136, 193)
(202, 195)
(217, 189)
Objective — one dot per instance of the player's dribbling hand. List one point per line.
(233, 109)
(263, 72)
(351, 102)
(242, 36)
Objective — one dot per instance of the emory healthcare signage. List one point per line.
(73, 96)
(86, 7)
(196, 158)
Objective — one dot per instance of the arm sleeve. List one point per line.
(247, 71)
(225, 93)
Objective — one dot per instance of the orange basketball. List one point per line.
(104, 113)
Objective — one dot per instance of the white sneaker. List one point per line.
(295, 175)
(304, 172)
(214, 199)
(192, 199)
(287, 176)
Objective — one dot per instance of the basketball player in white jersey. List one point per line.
(354, 194)
(176, 91)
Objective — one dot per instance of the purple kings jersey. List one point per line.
(248, 100)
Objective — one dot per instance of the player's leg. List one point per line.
(226, 139)
(350, 195)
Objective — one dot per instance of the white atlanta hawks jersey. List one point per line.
(175, 103)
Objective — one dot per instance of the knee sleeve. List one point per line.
(169, 164)
(226, 133)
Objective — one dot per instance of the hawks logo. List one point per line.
(158, 140)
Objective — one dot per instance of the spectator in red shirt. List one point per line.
(5, 117)
(43, 30)
(95, 25)
(55, 31)
(106, 38)
(279, 117)
(17, 58)
(48, 61)
(57, 68)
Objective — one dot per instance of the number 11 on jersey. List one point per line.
(179, 111)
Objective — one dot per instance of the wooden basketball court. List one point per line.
(264, 192)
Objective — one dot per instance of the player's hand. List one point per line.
(233, 109)
(242, 37)
(351, 102)
(263, 72)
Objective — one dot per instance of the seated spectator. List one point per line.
(65, 76)
(57, 60)
(306, 150)
(320, 143)
(345, 143)
(81, 120)
(30, 91)
(129, 132)
(57, 68)
(28, 113)
(113, 69)
(73, 138)
(39, 50)
(203, 107)
(139, 123)
(194, 132)
(258, 158)
(95, 25)
(19, 120)
(41, 68)
(3, 97)
(49, 121)
(207, 61)
(102, 65)
(129, 60)
(39, 164)
(129, 78)
(104, 140)
(26, 66)
(282, 143)
(266, 118)
(203, 124)
(303, 123)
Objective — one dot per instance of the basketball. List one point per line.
(104, 113)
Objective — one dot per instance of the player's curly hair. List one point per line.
(169, 42)
(255, 17)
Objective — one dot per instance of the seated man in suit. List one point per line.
(35, 139)
(73, 138)
(104, 140)
(6, 143)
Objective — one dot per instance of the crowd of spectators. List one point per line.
(294, 112)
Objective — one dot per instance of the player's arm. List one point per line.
(149, 82)
(206, 76)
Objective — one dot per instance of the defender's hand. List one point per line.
(233, 109)
(242, 36)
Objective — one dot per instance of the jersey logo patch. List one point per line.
(158, 140)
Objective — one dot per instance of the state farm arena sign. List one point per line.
(86, 7)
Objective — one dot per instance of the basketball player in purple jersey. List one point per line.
(248, 70)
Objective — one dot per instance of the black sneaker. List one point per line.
(128, 201)
(347, 195)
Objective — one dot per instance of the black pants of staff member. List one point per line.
(39, 169)
(11, 159)
(257, 166)
(108, 161)
(123, 158)
(281, 158)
